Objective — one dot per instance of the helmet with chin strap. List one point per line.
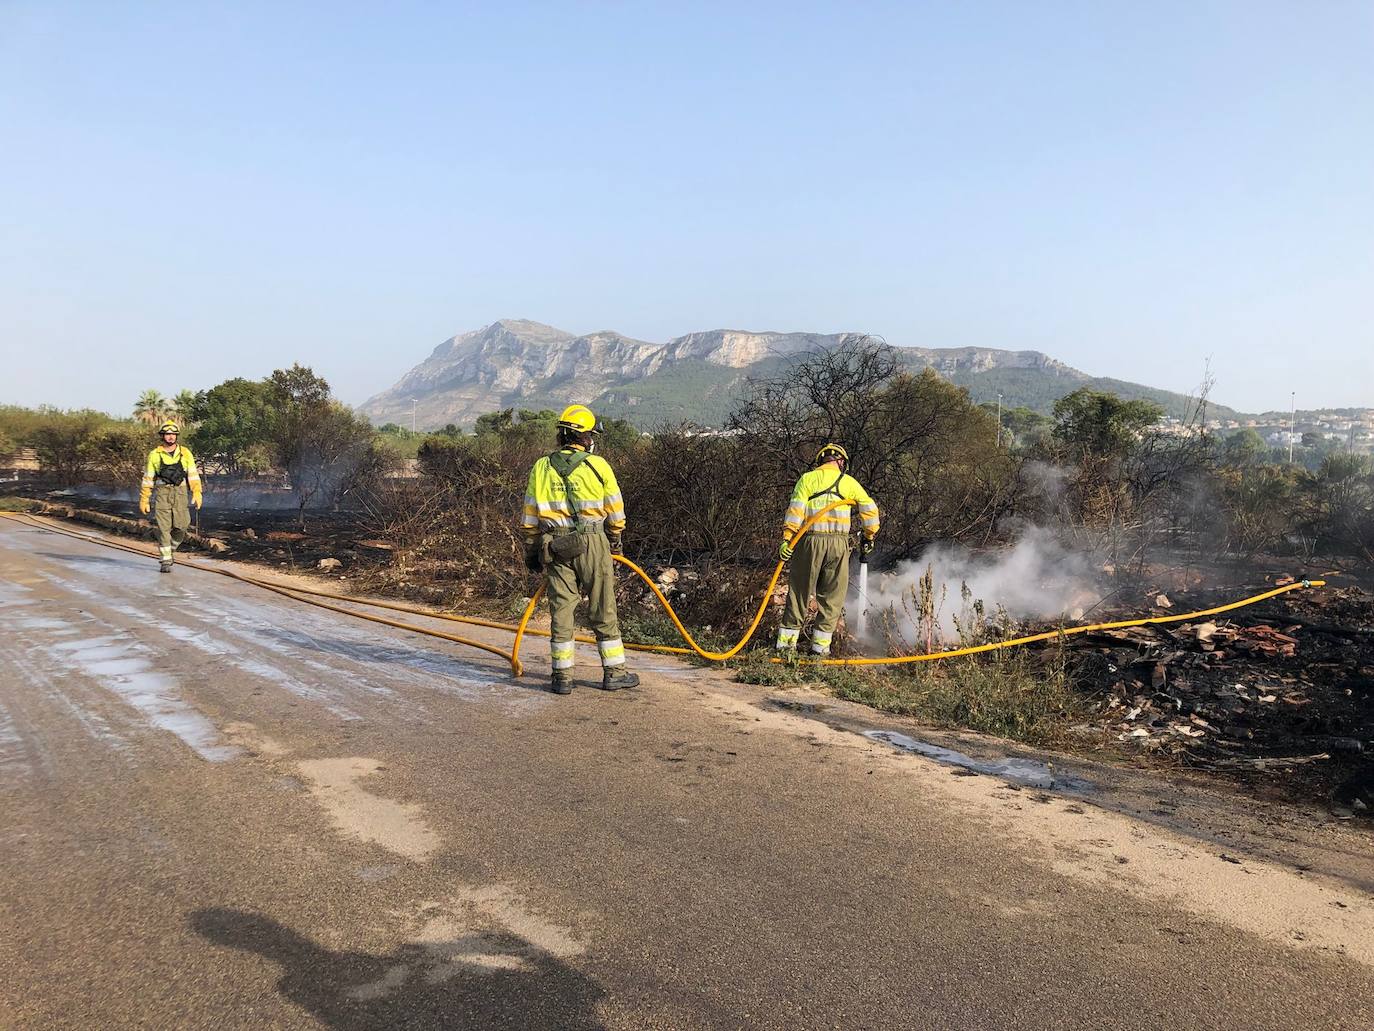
(577, 427)
(579, 419)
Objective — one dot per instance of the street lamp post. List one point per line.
(1292, 424)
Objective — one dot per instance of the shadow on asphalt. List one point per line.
(411, 987)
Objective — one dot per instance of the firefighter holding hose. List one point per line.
(573, 523)
(820, 560)
(170, 471)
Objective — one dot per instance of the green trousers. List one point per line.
(592, 574)
(819, 568)
(173, 517)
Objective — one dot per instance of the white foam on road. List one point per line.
(23, 630)
(14, 760)
(120, 666)
(13, 595)
(203, 640)
(678, 670)
(332, 661)
(307, 632)
(1025, 771)
(354, 657)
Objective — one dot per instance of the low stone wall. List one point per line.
(129, 527)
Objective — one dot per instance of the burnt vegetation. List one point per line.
(1156, 509)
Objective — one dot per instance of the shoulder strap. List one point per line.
(565, 463)
(832, 489)
(595, 471)
(165, 467)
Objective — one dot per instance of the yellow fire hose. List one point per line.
(901, 659)
(308, 596)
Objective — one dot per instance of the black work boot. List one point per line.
(613, 678)
(164, 567)
(561, 682)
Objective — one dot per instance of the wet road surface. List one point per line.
(222, 809)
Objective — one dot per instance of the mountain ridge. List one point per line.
(694, 377)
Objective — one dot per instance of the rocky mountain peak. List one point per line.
(737, 348)
(522, 363)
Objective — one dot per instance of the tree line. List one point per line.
(1100, 470)
(288, 425)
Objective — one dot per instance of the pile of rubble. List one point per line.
(726, 596)
(1284, 684)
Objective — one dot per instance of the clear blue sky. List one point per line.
(192, 191)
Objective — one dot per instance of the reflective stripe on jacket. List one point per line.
(823, 486)
(597, 498)
(157, 458)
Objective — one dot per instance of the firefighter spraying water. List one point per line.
(820, 559)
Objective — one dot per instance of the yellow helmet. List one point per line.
(580, 419)
(831, 452)
(169, 427)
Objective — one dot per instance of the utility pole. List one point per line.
(999, 420)
(1292, 424)
(412, 415)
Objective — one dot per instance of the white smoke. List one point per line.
(1036, 578)
(1045, 481)
(219, 494)
(91, 492)
(239, 496)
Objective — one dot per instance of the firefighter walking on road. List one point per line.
(820, 560)
(573, 523)
(170, 471)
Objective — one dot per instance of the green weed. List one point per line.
(1012, 694)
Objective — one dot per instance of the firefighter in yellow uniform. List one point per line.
(573, 523)
(820, 560)
(171, 469)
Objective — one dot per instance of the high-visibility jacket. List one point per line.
(595, 493)
(823, 486)
(161, 468)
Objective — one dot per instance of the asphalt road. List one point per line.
(222, 809)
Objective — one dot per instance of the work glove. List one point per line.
(533, 560)
(144, 507)
(195, 500)
(785, 551)
(865, 547)
(617, 543)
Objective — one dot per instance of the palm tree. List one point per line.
(151, 407)
(182, 405)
